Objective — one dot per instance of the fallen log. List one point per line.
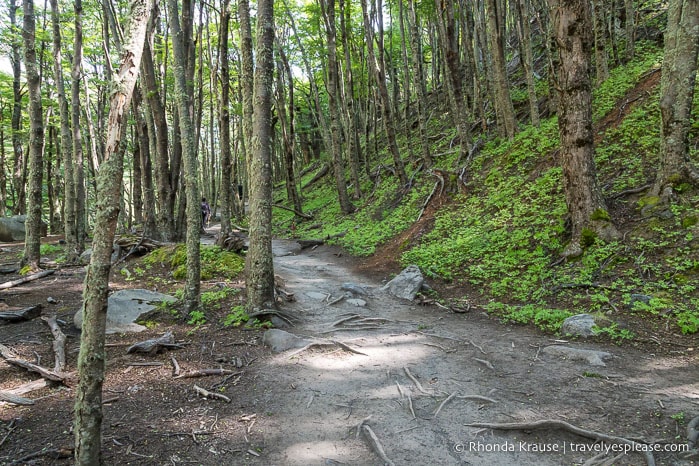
(59, 343)
(321, 173)
(28, 278)
(154, 345)
(205, 373)
(22, 315)
(15, 399)
(232, 241)
(296, 212)
(12, 358)
(307, 243)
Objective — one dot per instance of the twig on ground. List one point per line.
(360, 425)
(485, 363)
(410, 406)
(376, 445)
(207, 394)
(440, 347)
(28, 278)
(562, 425)
(447, 400)
(175, 367)
(205, 373)
(477, 398)
(310, 400)
(476, 346)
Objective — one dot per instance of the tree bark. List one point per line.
(36, 142)
(247, 69)
(259, 266)
(676, 97)
(78, 170)
(19, 174)
(525, 39)
(92, 357)
(630, 29)
(183, 99)
(507, 123)
(601, 57)
(69, 228)
(588, 213)
(225, 122)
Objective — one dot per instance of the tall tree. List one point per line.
(184, 95)
(332, 87)
(586, 207)
(259, 266)
(676, 96)
(507, 124)
(69, 228)
(225, 120)
(92, 357)
(78, 166)
(19, 173)
(36, 141)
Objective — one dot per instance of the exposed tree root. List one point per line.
(375, 444)
(211, 395)
(285, 316)
(416, 382)
(441, 405)
(324, 343)
(562, 425)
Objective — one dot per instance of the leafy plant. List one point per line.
(237, 317)
(197, 318)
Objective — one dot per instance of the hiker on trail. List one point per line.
(205, 212)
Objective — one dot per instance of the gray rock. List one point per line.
(280, 340)
(317, 295)
(639, 298)
(355, 289)
(406, 284)
(356, 302)
(12, 228)
(125, 307)
(592, 357)
(580, 325)
(86, 256)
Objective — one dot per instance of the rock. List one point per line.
(580, 325)
(639, 298)
(280, 340)
(355, 289)
(125, 307)
(12, 228)
(594, 358)
(317, 295)
(356, 302)
(86, 256)
(406, 284)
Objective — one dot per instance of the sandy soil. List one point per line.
(306, 409)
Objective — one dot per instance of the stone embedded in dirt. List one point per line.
(639, 298)
(580, 325)
(317, 295)
(593, 357)
(125, 307)
(279, 340)
(406, 284)
(356, 302)
(355, 289)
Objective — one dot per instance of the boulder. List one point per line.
(12, 228)
(125, 307)
(279, 340)
(406, 284)
(580, 325)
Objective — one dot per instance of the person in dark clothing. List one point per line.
(205, 212)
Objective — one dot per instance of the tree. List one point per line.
(676, 96)
(92, 357)
(183, 98)
(19, 173)
(32, 253)
(507, 123)
(588, 213)
(225, 121)
(78, 170)
(259, 266)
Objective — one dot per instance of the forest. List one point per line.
(536, 159)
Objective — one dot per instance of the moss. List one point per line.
(648, 201)
(689, 221)
(588, 236)
(601, 214)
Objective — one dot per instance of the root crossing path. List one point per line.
(385, 381)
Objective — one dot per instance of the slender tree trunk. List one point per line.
(599, 24)
(676, 96)
(416, 60)
(524, 32)
(36, 142)
(183, 99)
(92, 357)
(69, 228)
(225, 121)
(246, 79)
(259, 265)
(19, 173)
(78, 170)
(630, 29)
(328, 9)
(503, 102)
(588, 212)
(378, 70)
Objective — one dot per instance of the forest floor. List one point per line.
(424, 375)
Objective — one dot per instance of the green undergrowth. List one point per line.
(501, 240)
(215, 262)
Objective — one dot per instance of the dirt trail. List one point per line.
(312, 402)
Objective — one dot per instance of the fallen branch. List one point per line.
(21, 315)
(15, 399)
(28, 278)
(53, 453)
(296, 212)
(175, 367)
(205, 373)
(447, 400)
(415, 381)
(211, 395)
(11, 358)
(631, 191)
(485, 363)
(376, 445)
(321, 173)
(59, 343)
(477, 397)
(154, 345)
(429, 198)
(562, 425)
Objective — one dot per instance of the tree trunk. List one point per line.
(183, 99)
(69, 228)
(36, 142)
(225, 122)
(378, 70)
(601, 56)
(78, 170)
(259, 266)
(588, 213)
(676, 96)
(503, 102)
(524, 32)
(19, 174)
(92, 357)
(247, 69)
(328, 11)
(630, 29)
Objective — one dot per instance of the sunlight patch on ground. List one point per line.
(314, 452)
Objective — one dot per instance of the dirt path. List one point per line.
(312, 402)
